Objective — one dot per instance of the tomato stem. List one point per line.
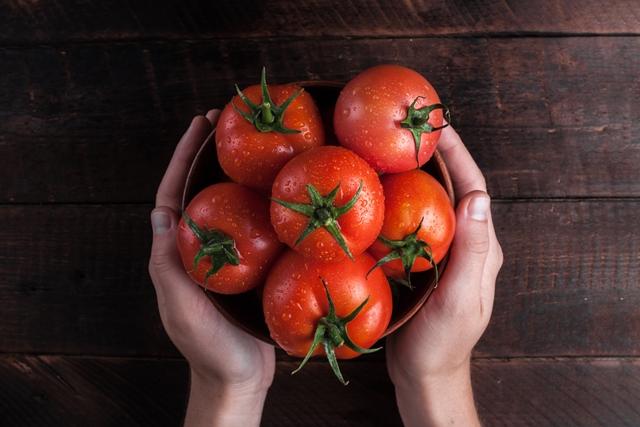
(323, 213)
(332, 333)
(266, 116)
(218, 246)
(417, 122)
(407, 250)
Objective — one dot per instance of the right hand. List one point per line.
(434, 348)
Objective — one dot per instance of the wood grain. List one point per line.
(42, 390)
(552, 117)
(74, 20)
(74, 281)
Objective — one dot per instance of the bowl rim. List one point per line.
(446, 182)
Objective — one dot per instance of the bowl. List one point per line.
(245, 310)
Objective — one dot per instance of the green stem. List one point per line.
(323, 213)
(331, 332)
(215, 244)
(407, 250)
(267, 114)
(417, 122)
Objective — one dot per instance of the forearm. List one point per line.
(443, 401)
(214, 405)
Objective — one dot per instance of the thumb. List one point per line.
(164, 253)
(470, 248)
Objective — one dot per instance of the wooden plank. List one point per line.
(74, 20)
(544, 117)
(74, 281)
(85, 267)
(571, 268)
(50, 390)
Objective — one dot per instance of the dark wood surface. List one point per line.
(543, 116)
(570, 278)
(76, 20)
(41, 390)
(93, 96)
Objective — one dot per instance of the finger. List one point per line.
(461, 285)
(172, 184)
(165, 266)
(491, 269)
(465, 174)
(212, 116)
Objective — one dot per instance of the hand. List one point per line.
(230, 370)
(429, 358)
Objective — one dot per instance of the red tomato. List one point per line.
(390, 116)
(225, 239)
(327, 203)
(296, 305)
(257, 135)
(419, 223)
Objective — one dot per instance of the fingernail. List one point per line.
(160, 222)
(478, 208)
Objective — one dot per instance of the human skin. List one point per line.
(230, 370)
(429, 358)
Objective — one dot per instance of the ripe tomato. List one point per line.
(347, 315)
(390, 116)
(419, 223)
(225, 239)
(327, 203)
(261, 129)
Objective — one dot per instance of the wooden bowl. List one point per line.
(245, 310)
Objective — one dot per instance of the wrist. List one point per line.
(445, 398)
(214, 402)
(444, 377)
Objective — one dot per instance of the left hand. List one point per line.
(221, 357)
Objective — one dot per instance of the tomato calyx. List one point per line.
(215, 244)
(407, 250)
(417, 121)
(267, 116)
(322, 213)
(332, 333)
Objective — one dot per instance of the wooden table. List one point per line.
(94, 95)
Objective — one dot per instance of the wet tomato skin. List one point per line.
(294, 300)
(254, 158)
(243, 215)
(325, 167)
(409, 197)
(369, 111)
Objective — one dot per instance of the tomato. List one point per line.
(327, 203)
(389, 115)
(419, 224)
(298, 298)
(225, 239)
(262, 128)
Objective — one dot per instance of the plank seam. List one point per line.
(15, 44)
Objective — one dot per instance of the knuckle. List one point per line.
(477, 245)
(175, 327)
(156, 260)
(158, 264)
(500, 257)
